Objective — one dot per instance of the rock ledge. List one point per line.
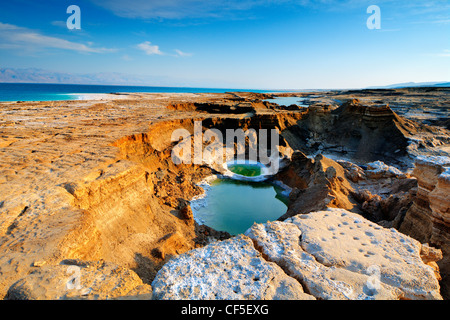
(333, 254)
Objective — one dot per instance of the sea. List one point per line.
(57, 92)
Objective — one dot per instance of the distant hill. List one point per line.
(412, 84)
(445, 84)
(34, 75)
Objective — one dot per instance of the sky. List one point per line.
(252, 44)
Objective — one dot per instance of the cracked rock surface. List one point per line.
(333, 254)
(228, 270)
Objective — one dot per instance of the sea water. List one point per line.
(56, 92)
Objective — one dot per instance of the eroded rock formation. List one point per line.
(363, 133)
(317, 184)
(95, 182)
(428, 219)
(229, 270)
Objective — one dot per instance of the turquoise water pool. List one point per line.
(233, 206)
(287, 101)
(246, 170)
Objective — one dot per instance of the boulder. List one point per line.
(333, 254)
(380, 170)
(337, 254)
(225, 270)
(353, 172)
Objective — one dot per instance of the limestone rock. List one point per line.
(186, 211)
(336, 254)
(430, 254)
(364, 133)
(75, 279)
(333, 254)
(378, 170)
(171, 244)
(317, 184)
(428, 219)
(353, 172)
(383, 192)
(225, 270)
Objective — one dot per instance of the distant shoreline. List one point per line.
(10, 92)
(98, 96)
(42, 92)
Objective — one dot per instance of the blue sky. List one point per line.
(265, 44)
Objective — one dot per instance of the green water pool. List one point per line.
(233, 206)
(247, 170)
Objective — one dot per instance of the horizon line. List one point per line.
(419, 84)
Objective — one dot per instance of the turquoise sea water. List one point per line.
(233, 206)
(55, 92)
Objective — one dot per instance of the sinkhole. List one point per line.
(232, 202)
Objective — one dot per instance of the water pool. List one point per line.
(233, 205)
(287, 101)
(246, 170)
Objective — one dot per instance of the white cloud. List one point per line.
(58, 23)
(149, 49)
(18, 37)
(446, 53)
(443, 54)
(177, 9)
(442, 21)
(182, 54)
(180, 9)
(152, 49)
(7, 26)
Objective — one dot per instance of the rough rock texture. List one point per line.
(380, 192)
(317, 184)
(424, 105)
(378, 169)
(384, 192)
(93, 180)
(71, 187)
(337, 254)
(76, 279)
(227, 270)
(334, 254)
(428, 219)
(364, 133)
